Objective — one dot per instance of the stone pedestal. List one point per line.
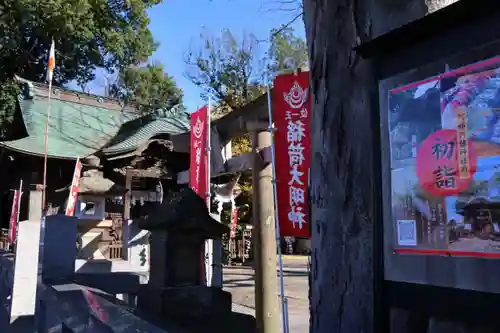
(175, 285)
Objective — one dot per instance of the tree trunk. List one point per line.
(342, 204)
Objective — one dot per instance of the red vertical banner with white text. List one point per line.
(198, 168)
(291, 114)
(14, 215)
(234, 223)
(75, 184)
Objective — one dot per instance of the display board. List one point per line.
(444, 147)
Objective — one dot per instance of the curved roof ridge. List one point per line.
(167, 124)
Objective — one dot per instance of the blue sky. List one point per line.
(177, 25)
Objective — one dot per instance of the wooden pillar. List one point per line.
(264, 240)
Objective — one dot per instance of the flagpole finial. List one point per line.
(51, 62)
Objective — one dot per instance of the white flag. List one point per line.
(52, 62)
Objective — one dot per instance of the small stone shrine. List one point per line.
(179, 227)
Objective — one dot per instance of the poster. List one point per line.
(444, 137)
(291, 114)
(198, 169)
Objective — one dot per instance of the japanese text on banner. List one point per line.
(291, 107)
(198, 155)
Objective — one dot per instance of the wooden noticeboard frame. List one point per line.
(463, 287)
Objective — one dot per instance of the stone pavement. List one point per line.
(240, 282)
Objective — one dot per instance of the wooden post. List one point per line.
(264, 240)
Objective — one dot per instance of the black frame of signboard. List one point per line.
(459, 286)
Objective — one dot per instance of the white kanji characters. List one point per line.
(303, 113)
(297, 216)
(296, 131)
(296, 195)
(198, 155)
(296, 174)
(198, 175)
(295, 154)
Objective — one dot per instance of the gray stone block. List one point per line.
(59, 250)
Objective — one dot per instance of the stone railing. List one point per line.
(77, 306)
(66, 307)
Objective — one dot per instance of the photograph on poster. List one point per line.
(444, 136)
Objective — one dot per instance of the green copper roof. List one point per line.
(75, 129)
(170, 123)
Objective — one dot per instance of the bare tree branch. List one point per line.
(293, 6)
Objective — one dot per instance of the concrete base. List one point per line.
(26, 269)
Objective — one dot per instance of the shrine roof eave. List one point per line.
(138, 134)
(250, 117)
(80, 124)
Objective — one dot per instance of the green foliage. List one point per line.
(227, 70)
(232, 73)
(147, 86)
(88, 34)
(8, 103)
(287, 51)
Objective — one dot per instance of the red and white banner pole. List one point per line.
(73, 191)
(208, 148)
(14, 214)
(198, 172)
(272, 130)
(209, 243)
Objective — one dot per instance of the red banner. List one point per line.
(234, 222)
(73, 194)
(291, 113)
(198, 169)
(14, 214)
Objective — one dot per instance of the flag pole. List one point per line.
(209, 243)
(272, 130)
(46, 148)
(19, 208)
(209, 147)
(50, 70)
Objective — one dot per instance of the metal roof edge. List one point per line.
(26, 152)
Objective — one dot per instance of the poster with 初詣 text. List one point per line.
(444, 137)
